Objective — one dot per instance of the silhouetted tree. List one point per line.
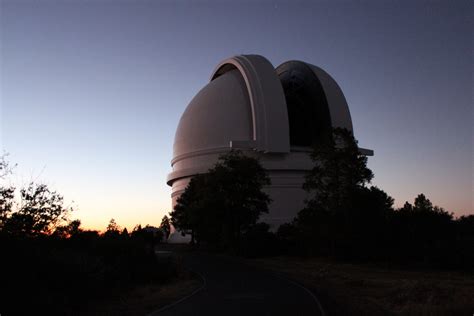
(6, 193)
(55, 265)
(225, 202)
(367, 225)
(342, 215)
(40, 211)
(258, 241)
(148, 235)
(183, 217)
(407, 207)
(165, 227)
(74, 227)
(112, 230)
(339, 171)
(6, 204)
(112, 226)
(68, 230)
(153, 235)
(426, 232)
(464, 254)
(124, 233)
(159, 236)
(5, 167)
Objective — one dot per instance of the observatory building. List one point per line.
(275, 114)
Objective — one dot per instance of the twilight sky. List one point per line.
(91, 92)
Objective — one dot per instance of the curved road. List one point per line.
(234, 288)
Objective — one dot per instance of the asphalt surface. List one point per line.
(232, 287)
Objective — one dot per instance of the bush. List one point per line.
(58, 275)
(258, 241)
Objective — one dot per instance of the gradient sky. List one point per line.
(92, 91)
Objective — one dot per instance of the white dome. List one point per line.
(218, 114)
(243, 106)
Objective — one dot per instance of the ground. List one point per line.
(213, 284)
(232, 287)
(147, 298)
(144, 299)
(368, 289)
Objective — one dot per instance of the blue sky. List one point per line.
(91, 92)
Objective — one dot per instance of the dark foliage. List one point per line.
(56, 275)
(464, 241)
(50, 266)
(258, 241)
(345, 219)
(39, 212)
(339, 172)
(148, 235)
(221, 205)
(165, 227)
(427, 234)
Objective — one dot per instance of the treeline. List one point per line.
(344, 217)
(348, 219)
(51, 265)
(416, 235)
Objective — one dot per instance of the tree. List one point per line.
(112, 226)
(225, 202)
(124, 233)
(342, 215)
(74, 227)
(5, 167)
(407, 207)
(40, 212)
(465, 241)
(339, 171)
(71, 229)
(6, 204)
(239, 181)
(423, 207)
(6, 193)
(112, 230)
(165, 226)
(425, 232)
(422, 204)
(183, 217)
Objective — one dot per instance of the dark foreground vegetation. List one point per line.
(75, 275)
(419, 235)
(51, 266)
(349, 244)
(348, 288)
(344, 218)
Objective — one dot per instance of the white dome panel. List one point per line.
(218, 114)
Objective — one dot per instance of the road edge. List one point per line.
(311, 293)
(166, 307)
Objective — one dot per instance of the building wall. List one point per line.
(286, 172)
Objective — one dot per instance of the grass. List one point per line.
(368, 289)
(89, 276)
(147, 298)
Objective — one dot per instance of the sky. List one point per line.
(91, 92)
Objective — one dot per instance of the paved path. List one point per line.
(234, 288)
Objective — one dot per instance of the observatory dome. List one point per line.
(219, 112)
(275, 114)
